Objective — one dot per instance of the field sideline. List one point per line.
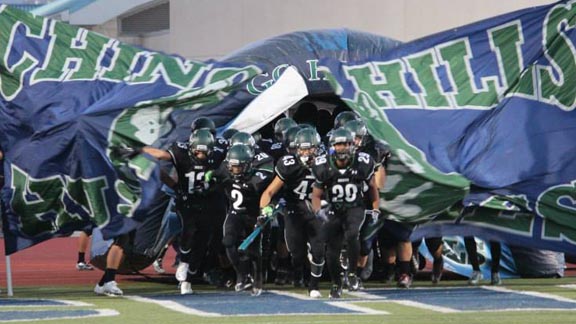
(132, 311)
(46, 272)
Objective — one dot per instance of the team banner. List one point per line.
(70, 101)
(482, 114)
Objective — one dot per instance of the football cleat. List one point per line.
(109, 289)
(157, 265)
(496, 280)
(81, 266)
(475, 278)
(186, 288)
(436, 278)
(405, 281)
(256, 292)
(335, 291)
(437, 268)
(315, 294)
(281, 277)
(244, 284)
(353, 282)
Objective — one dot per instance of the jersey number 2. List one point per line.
(237, 198)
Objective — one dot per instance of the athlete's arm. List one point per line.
(167, 179)
(317, 194)
(374, 196)
(272, 189)
(380, 177)
(157, 153)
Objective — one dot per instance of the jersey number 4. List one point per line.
(302, 190)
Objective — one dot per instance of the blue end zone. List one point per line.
(243, 304)
(474, 299)
(6, 316)
(19, 302)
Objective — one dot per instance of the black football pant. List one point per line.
(236, 228)
(343, 226)
(197, 227)
(303, 228)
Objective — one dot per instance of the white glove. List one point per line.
(374, 215)
(322, 214)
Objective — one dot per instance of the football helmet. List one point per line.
(358, 130)
(344, 117)
(341, 136)
(243, 138)
(200, 141)
(239, 161)
(289, 137)
(306, 142)
(204, 123)
(281, 126)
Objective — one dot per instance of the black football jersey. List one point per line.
(343, 187)
(219, 152)
(262, 161)
(244, 194)
(190, 171)
(376, 150)
(275, 149)
(298, 179)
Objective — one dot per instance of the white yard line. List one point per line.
(532, 293)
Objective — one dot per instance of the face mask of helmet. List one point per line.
(200, 152)
(201, 143)
(342, 149)
(239, 161)
(306, 153)
(237, 168)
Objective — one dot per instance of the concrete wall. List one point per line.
(203, 29)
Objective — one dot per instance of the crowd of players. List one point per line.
(309, 189)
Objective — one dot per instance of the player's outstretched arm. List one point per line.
(270, 191)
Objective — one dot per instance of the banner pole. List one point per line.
(10, 291)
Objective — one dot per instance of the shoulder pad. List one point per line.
(182, 145)
(320, 160)
(261, 156)
(364, 157)
(288, 160)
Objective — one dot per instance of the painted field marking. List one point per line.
(44, 315)
(37, 302)
(269, 303)
(469, 299)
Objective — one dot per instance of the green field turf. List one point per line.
(138, 312)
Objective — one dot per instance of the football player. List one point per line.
(275, 148)
(191, 160)
(260, 160)
(293, 173)
(342, 175)
(364, 142)
(243, 186)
